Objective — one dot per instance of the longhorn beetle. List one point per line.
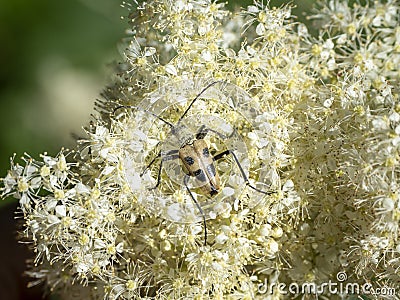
(195, 156)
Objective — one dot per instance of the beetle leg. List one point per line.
(222, 154)
(185, 181)
(150, 164)
(170, 155)
(158, 176)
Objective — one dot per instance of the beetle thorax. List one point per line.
(183, 134)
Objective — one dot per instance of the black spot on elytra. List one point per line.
(189, 160)
(200, 175)
(206, 153)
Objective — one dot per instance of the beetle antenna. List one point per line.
(197, 97)
(144, 110)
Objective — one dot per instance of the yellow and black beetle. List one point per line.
(193, 152)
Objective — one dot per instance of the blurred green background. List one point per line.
(54, 57)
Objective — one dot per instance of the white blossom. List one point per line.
(314, 122)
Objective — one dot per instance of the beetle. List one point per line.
(195, 157)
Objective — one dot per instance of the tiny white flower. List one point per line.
(171, 70)
(61, 210)
(228, 191)
(221, 238)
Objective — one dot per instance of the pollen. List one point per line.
(262, 17)
(59, 194)
(44, 171)
(84, 239)
(131, 285)
(316, 49)
(351, 29)
(66, 221)
(111, 249)
(23, 185)
(358, 58)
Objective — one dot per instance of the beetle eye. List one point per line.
(206, 153)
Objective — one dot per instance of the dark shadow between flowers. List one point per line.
(13, 255)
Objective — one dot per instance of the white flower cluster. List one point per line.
(313, 120)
